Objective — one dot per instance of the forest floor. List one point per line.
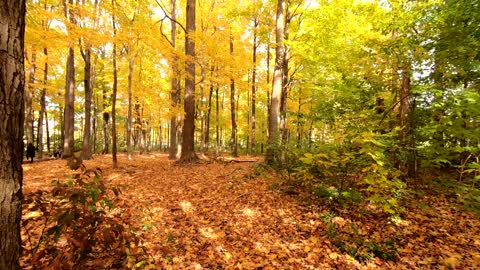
(233, 215)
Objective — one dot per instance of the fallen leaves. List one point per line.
(221, 215)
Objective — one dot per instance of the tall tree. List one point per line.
(88, 85)
(131, 62)
(206, 144)
(233, 139)
(69, 113)
(29, 99)
(188, 135)
(175, 89)
(12, 83)
(285, 79)
(114, 94)
(273, 132)
(254, 86)
(217, 122)
(86, 146)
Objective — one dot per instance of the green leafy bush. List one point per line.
(339, 172)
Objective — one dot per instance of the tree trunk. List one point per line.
(188, 151)
(254, 88)
(273, 134)
(269, 104)
(174, 92)
(114, 94)
(106, 125)
(69, 114)
(233, 139)
(61, 113)
(129, 114)
(201, 111)
(86, 146)
(299, 119)
(206, 144)
(217, 123)
(12, 87)
(94, 124)
(43, 109)
(285, 82)
(28, 101)
(406, 134)
(48, 132)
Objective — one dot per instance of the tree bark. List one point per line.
(175, 91)
(188, 151)
(233, 138)
(48, 132)
(273, 134)
(129, 114)
(406, 124)
(285, 82)
(43, 108)
(86, 146)
(254, 87)
(69, 114)
(209, 111)
(106, 124)
(217, 123)
(299, 119)
(114, 94)
(29, 99)
(12, 89)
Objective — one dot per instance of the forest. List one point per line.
(260, 134)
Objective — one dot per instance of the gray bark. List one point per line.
(12, 88)
(273, 130)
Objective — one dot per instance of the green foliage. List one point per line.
(356, 243)
(332, 194)
(448, 129)
(466, 195)
(384, 186)
(76, 224)
(339, 171)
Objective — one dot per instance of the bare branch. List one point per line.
(170, 18)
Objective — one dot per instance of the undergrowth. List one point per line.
(77, 225)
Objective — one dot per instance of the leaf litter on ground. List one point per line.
(221, 215)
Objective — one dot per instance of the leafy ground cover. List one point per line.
(228, 215)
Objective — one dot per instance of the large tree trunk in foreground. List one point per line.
(273, 131)
(188, 151)
(12, 83)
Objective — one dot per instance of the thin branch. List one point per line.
(163, 34)
(170, 18)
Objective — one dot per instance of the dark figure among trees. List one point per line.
(31, 152)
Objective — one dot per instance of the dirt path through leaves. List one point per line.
(224, 216)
